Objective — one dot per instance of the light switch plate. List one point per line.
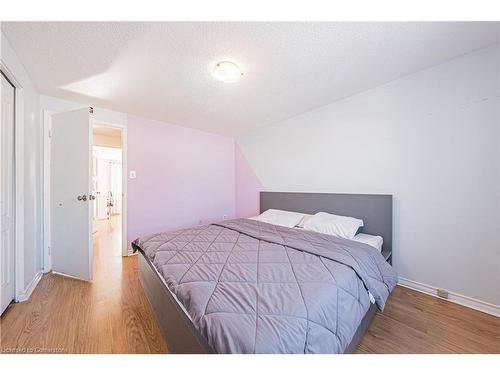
(132, 174)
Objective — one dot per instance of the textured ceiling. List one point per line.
(162, 70)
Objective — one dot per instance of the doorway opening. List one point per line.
(107, 187)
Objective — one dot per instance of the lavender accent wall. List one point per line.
(183, 176)
(247, 186)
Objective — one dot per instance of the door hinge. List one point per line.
(50, 133)
(48, 247)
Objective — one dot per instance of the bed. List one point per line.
(243, 286)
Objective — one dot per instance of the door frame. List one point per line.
(46, 251)
(123, 128)
(47, 126)
(20, 293)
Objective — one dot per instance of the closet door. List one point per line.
(7, 194)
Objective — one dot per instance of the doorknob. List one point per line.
(82, 197)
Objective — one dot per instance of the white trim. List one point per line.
(19, 182)
(130, 252)
(486, 307)
(26, 294)
(89, 189)
(12, 78)
(47, 127)
(124, 191)
(19, 165)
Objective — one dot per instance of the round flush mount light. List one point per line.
(227, 72)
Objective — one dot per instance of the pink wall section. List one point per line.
(247, 186)
(183, 176)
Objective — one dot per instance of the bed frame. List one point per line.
(177, 329)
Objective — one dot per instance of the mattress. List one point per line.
(375, 241)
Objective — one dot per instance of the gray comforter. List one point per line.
(253, 287)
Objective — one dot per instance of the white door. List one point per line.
(71, 206)
(7, 194)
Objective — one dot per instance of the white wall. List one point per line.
(32, 152)
(432, 140)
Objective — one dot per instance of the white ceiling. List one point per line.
(106, 131)
(162, 70)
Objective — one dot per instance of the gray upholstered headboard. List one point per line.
(374, 209)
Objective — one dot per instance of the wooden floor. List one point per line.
(111, 315)
(414, 322)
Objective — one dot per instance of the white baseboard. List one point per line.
(486, 307)
(130, 252)
(24, 296)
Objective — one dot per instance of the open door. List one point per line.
(71, 199)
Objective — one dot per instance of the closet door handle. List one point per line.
(82, 197)
(91, 197)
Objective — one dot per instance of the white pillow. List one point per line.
(277, 217)
(334, 225)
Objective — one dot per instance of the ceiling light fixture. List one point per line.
(227, 72)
